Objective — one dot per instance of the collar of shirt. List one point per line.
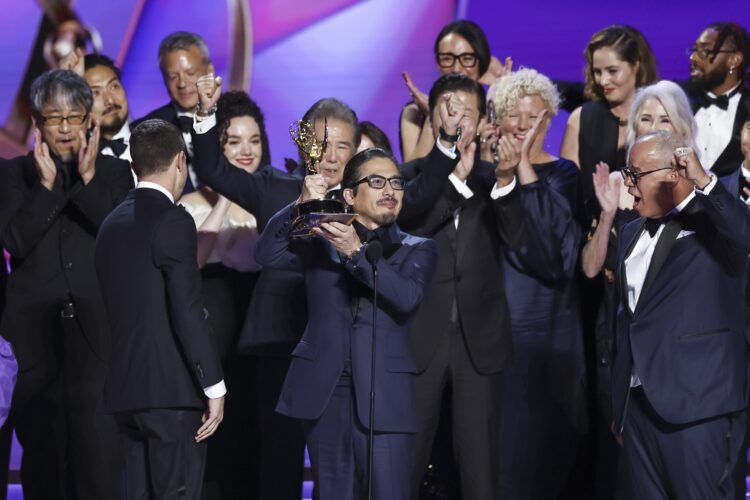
(153, 185)
(180, 112)
(123, 133)
(334, 188)
(681, 205)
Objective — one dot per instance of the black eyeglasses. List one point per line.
(447, 60)
(629, 173)
(71, 119)
(704, 52)
(378, 182)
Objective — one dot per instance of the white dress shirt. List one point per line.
(639, 260)
(189, 144)
(124, 134)
(219, 389)
(715, 127)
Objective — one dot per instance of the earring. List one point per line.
(731, 70)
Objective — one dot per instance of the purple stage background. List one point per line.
(356, 50)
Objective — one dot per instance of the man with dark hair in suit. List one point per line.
(53, 201)
(462, 333)
(164, 363)
(183, 58)
(328, 383)
(719, 79)
(679, 380)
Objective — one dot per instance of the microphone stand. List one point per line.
(373, 252)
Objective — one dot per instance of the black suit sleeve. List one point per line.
(26, 214)
(174, 251)
(105, 191)
(441, 212)
(423, 189)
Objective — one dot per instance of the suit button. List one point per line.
(603, 361)
(68, 265)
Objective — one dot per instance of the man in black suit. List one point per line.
(53, 201)
(183, 58)
(679, 380)
(276, 316)
(719, 63)
(164, 363)
(462, 334)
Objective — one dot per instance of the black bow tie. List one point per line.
(185, 124)
(722, 101)
(117, 146)
(653, 225)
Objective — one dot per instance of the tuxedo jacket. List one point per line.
(163, 353)
(470, 267)
(50, 236)
(731, 158)
(166, 113)
(339, 301)
(686, 335)
(275, 314)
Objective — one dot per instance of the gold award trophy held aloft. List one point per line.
(312, 213)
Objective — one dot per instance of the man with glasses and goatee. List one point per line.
(52, 202)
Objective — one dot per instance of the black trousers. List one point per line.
(475, 413)
(680, 462)
(70, 447)
(161, 459)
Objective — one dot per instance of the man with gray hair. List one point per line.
(52, 203)
(183, 58)
(679, 381)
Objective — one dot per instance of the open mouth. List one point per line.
(636, 201)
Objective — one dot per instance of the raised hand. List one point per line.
(496, 70)
(532, 135)
(73, 61)
(419, 97)
(451, 110)
(466, 163)
(607, 189)
(211, 419)
(687, 162)
(341, 236)
(509, 154)
(209, 90)
(87, 154)
(45, 167)
(313, 188)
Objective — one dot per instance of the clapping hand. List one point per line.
(496, 70)
(509, 156)
(88, 153)
(45, 166)
(531, 136)
(607, 189)
(419, 97)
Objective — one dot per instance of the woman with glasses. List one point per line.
(226, 242)
(543, 408)
(461, 47)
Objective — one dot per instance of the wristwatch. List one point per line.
(450, 138)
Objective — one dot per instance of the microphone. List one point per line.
(374, 251)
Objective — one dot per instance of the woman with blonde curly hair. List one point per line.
(543, 408)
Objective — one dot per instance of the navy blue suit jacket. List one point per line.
(336, 312)
(686, 335)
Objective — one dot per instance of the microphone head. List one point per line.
(374, 251)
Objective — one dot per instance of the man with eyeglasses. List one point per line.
(53, 201)
(328, 383)
(719, 63)
(679, 379)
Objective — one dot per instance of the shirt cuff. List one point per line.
(450, 153)
(744, 171)
(709, 186)
(499, 192)
(203, 126)
(216, 391)
(461, 186)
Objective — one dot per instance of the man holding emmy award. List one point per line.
(328, 383)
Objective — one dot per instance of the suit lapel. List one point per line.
(623, 275)
(663, 247)
(732, 149)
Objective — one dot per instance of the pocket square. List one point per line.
(684, 233)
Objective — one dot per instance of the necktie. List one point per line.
(185, 124)
(653, 225)
(117, 146)
(722, 101)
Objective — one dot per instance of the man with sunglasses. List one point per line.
(679, 379)
(719, 63)
(328, 383)
(53, 201)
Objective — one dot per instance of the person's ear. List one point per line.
(348, 196)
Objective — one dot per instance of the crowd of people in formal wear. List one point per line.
(571, 326)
